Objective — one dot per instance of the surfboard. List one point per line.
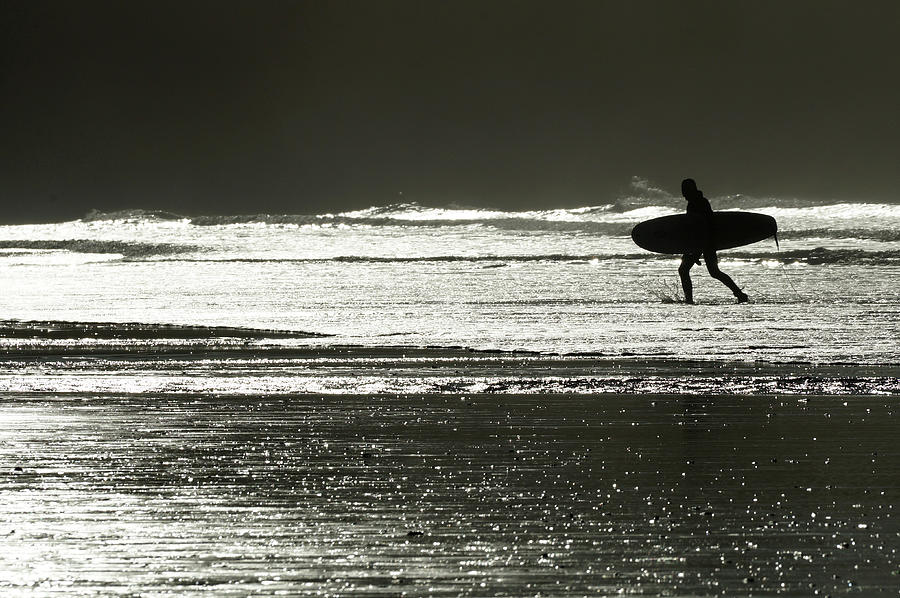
(689, 233)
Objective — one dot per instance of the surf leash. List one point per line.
(784, 271)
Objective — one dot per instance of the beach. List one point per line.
(449, 402)
(463, 299)
(460, 472)
(449, 495)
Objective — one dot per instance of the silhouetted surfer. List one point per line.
(699, 205)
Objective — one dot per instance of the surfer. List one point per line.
(699, 205)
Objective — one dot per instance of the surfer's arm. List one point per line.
(709, 225)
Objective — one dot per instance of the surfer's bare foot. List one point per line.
(742, 297)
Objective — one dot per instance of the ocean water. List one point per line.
(556, 281)
(568, 282)
(447, 401)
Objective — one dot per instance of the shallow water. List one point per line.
(448, 495)
(558, 281)
(415, 401)
(59, 357)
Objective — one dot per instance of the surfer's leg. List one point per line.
(712, 265)
(684, 271)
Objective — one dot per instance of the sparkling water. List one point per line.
(560, 281)
(418, 401)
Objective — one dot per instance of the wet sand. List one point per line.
(451, 494)
(114, 358)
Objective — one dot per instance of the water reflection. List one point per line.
(447, 495)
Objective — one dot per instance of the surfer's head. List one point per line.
(689, 188)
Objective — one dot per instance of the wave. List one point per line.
(836, 212)
(419, 215)
(127, 249)
(604, 220)
(886, 235)
(816, 256)
(614, 218)
(584, 220)
(130, 215)
(268, 219)
(422, 216)
(822, 255)
(641, 201)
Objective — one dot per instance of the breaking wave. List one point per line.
(642, 200)
(865, 221)
(130, 215)
(414, 215)
(817, 256)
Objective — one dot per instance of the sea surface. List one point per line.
(411, 400)
(564, 282)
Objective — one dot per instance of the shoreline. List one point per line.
(289, 464)
(74, 357)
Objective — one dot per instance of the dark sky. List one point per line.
(300, 107)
